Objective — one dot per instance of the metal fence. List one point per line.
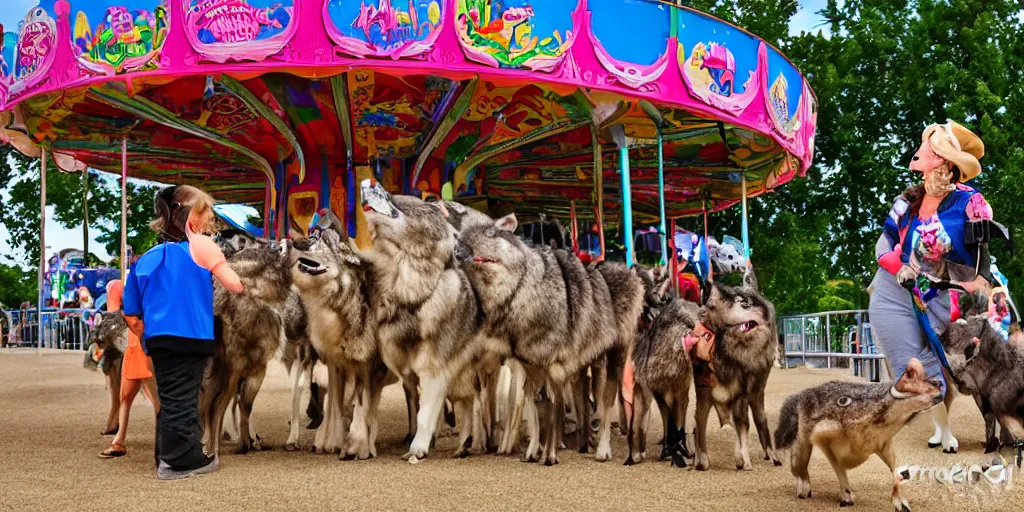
(66, 329)
(834, 339)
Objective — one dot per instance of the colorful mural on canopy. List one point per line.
(516, 33)
(34, 45)
(238, 29)
(385, 28)
(119, 35)
(785, 96)
(721, 72)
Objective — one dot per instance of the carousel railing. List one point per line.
(832, 339)
(64, 329)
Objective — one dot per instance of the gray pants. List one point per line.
(898, 332)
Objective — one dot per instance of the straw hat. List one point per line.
(958, 145)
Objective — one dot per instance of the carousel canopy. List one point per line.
(509, 105)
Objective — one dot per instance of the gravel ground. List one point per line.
(51, 413)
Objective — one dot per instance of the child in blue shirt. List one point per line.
(168, 302)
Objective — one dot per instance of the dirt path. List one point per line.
(51, 413)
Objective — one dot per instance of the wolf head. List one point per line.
(324, 260)
(741, 313)
(405, 224)
(264, 270)
(232, 241)
(460, 216)
(969, 343)
(914, 392)
(494, 258)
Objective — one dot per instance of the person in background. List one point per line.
(136, 374)
(168, 303)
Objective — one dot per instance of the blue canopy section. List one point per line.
(237, 216)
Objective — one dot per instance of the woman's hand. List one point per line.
(907, 275)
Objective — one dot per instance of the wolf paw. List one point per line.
(702, 463)
(900, 505)
(242, 449)
(603, 454)
(803, 489)
(950, 444)
(846, 498)
(551, 460)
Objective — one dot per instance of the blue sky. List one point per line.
(13, 11)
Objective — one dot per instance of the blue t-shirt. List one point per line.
(171, 293)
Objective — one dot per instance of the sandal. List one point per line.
(115, 450)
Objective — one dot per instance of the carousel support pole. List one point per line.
(673, 264)
(124, 206)
(619, 132)
(42, 249)
(661, 200)
(598, 188)
(746, 234)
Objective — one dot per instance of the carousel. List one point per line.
(608, 113)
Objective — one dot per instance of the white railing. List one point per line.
(840, 339)
(66, 329)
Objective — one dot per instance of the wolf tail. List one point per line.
(789, 423)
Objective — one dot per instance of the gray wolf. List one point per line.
(849, 422)
(252, 334)
(427, 316)
(746, 344)
(989, 368)
(557, 317)
(338, 288)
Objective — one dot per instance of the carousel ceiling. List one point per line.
(511, 104)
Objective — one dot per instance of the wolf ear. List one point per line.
(750, 279)
(507, 223)
(972, 349)
(440, 206)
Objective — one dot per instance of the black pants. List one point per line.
(179, 376)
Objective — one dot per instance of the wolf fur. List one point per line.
(988, 368)
(337, 286)
(252, 334)
(743, 322)
(849, 422)
(428, 320)
(663, 373)
(111, 336)
(557, 317)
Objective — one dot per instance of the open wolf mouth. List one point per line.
(376, 199)
(747, 326)
(311, 267)
(481, 259)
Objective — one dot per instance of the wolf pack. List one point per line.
(485, 332)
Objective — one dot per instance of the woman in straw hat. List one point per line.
(934, 230)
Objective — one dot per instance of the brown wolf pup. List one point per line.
(851, 421)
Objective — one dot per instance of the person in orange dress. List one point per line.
(136, 374)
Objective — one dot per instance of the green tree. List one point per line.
(16, 286)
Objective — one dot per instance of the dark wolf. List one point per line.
(849, 422)
(428, 322)
(110, 336)
(989, 368)
(663, 373)
(251, 334)
(557, 317)
(746, 344)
